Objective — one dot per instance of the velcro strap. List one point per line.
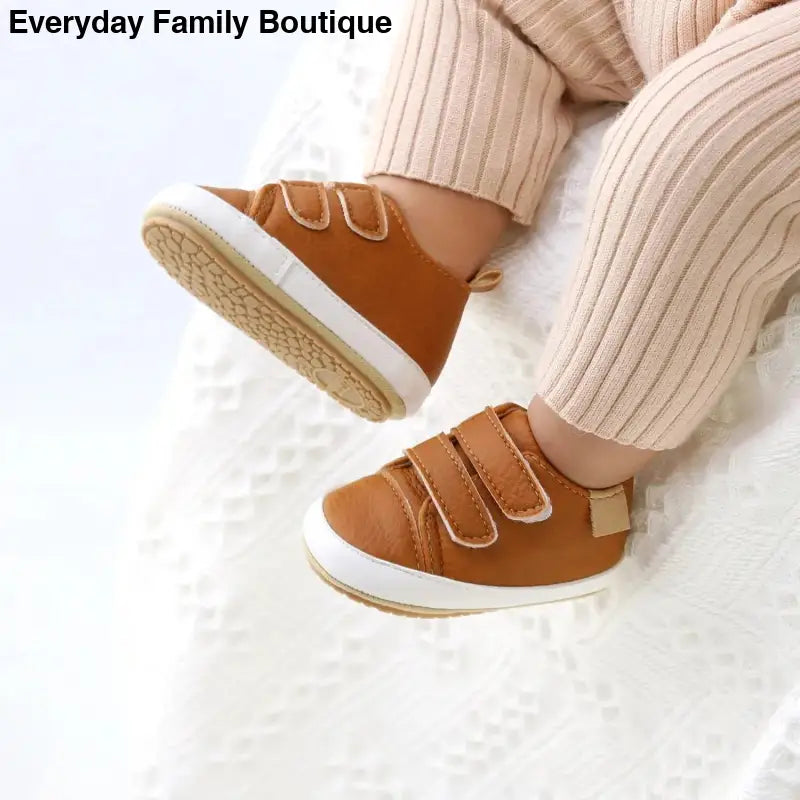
(307, 203)
(460, 505)
(502, 468)
(364, 210)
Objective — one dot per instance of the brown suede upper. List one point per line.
(399, 513)
(355, 240)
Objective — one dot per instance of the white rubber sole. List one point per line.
(245, 252)
(396, 588)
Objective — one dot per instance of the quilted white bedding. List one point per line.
(249, 679)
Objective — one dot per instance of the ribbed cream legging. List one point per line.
(694, 210)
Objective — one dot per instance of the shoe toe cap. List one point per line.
(372, 516)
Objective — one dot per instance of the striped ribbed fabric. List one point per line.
(472, 106)
(743, 10)
(481, 93)
(694, 227)
(693, 214)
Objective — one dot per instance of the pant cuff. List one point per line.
(470, 106)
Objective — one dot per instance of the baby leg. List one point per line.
(694, 225)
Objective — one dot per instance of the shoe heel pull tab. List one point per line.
(609, 511)
(486, 280)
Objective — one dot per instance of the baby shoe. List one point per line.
(326, 276)
(471, 521)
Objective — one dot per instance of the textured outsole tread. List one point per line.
(200, 269)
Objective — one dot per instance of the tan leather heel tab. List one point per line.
(450, 487)
(609, 511)
(307, 204)
(364, 210)
(486, 280)
(503, 469)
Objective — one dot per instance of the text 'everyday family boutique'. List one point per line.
(224, 22)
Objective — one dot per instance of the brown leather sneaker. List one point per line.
(469, 522)
(326, 276)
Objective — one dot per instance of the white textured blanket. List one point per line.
(251, 679)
